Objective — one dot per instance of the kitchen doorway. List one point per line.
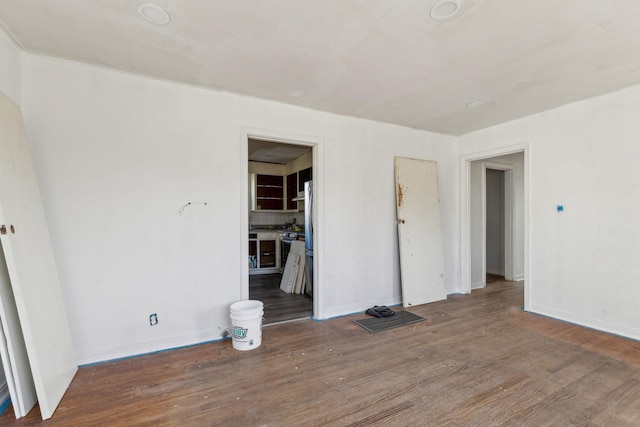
(280, 233)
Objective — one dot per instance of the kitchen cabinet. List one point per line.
(269, 192)
(267, 253)
(276, 192)
(253, 251)
(303, 176)
(295, 188)
(264, 252)
(292, 191)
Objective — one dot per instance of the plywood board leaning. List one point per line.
(293, 275)
(287, 284)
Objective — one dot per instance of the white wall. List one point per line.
(476, 225)
(118, 155)
(585, 157)
(11, 69)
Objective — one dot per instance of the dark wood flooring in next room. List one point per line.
(278, 305)
(492, 278)
(477, 360)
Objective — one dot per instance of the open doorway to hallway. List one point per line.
(497, 219)
(496, 225)
(471, 220)
(280, 237)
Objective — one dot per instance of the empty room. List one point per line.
(470, 167)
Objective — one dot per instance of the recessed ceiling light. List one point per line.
(476, 105)
(154, 14)
(445, 9)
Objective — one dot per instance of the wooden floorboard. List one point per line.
(477, 360)
(279, 306)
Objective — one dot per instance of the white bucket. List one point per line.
(246, 324)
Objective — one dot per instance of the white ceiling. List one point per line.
(274, 152)
(384, 60)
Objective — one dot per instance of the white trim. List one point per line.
(465, 216)
(483, 222)
(357, 307)
(315, 142)
(153, 346)
(509, 232)
(478, 285)
(588, 322)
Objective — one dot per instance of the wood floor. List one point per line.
(278, 306)
(491, 278)
(478, 360)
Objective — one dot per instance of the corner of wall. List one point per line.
(11, 70)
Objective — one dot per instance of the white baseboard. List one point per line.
(600, 325)
(478, 285)
(348, 309)
(125, 351)
(518, 277)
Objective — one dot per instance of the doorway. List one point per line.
(494, 220)
(502, 197)
(279, 217)
(495, 227)
(496, 212)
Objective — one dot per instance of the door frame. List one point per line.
(509, 200)
(465, 214)
(316, 145)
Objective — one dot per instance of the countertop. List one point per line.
(270, 229)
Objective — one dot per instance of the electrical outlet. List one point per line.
(153, 319)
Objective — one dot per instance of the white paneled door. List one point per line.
(419, 231)
(31, 265)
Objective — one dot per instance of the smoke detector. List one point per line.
(445, 9)
(477, 104)
(154, 14)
